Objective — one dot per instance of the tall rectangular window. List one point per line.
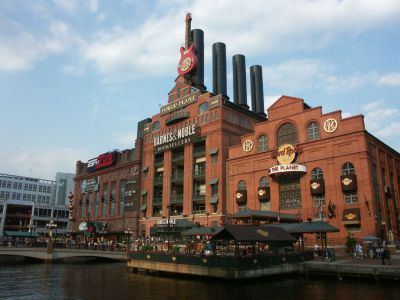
(104, 199)
(122, 198)
(112, 198)
(96, 207)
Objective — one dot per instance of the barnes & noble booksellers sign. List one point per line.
(175, 138)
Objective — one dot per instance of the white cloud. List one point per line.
(21, 49)
(391, 130)
(346, 114)
(125, 141)
(306, 74)
(41, 163)
(264, 27)
(392, 79)
(74, 70)
(69, 6)
(381, 119)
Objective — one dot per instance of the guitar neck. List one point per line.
(187, 33)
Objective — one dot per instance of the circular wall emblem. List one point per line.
(247, 145)
(286, 154)
(330, 125)
(261, 192)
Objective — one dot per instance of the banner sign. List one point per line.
(89, 185)
(287, 168)
(182, 102)
(102, 161)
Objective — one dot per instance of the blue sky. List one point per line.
(77, 75)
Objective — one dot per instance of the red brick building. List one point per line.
(105, 196)
(317, 165)
(203, 158)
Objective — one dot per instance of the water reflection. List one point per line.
(112, 281)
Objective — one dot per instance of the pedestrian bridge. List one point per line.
(47, 254)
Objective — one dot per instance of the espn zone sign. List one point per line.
(102, 161)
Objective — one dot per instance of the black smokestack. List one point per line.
(257, 92)
(239, 80)
(198, 41)
(219, 68)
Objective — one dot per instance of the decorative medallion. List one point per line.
(261, 192)
(286, 154)
(239, 195)
(247, 145)
(330, 125)
(347, 181)
(315, 185)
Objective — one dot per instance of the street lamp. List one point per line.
(168, 224)
(50, 226)
(128, 233)
(71, 212)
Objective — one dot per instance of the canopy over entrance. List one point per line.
(262, 216)
(21, 234)
(245, 233)
(307, 227)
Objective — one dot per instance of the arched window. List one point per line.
(262, 143)
(317, 173)
(348, 168)
(203, 108)
(287, 134)
(264, 182)
(313, 131)
(241, 185)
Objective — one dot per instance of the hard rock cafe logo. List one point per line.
(261, 192)
(239, 195)
(286, 154)
(262, 232)
(347, 181)
(315, 185)
(350, 216)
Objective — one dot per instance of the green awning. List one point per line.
(21, 233)
(144, 193)
(214, 151)
(213, 181)
(143, 207)
(214, 200)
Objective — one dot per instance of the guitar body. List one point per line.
(188, 61)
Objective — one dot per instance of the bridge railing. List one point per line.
(62, 245)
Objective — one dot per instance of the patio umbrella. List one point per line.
(370, 238)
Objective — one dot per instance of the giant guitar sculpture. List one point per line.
(188, 61)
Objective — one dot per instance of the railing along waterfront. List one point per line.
(223, 261)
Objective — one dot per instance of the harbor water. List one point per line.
(113, 281)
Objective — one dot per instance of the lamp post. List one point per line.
(50, 226)
(31, 227)
(168, 225)
(71, 213)
(128, 233)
